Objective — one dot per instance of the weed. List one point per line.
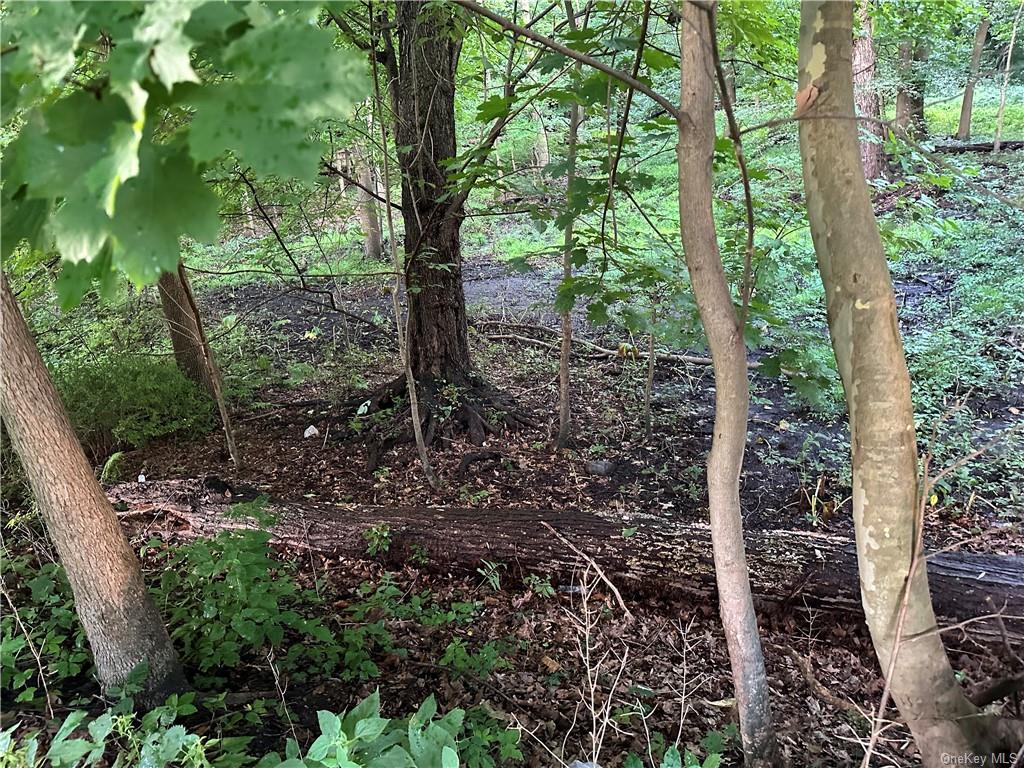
(378, 539)
(491, 573)
(540, 586)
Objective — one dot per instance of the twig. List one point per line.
(596, 567)
(31, 646)
(590, 61)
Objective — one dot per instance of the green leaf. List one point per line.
(80, 230)
(330, 724)
(165, 201)
(287, 75)
(367, 708)
(672, 758)
(49, 35)
(22, 220)
(494, 107)
(449, 758)
(657, 60)
(162, 26)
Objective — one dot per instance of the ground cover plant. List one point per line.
(487, 384)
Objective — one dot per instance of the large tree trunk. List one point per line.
(872, 149)
(732, 393)
(662, 557)
(429, 46)
(869, 353)
(185, 336)
(119, 618)
(910, 94)
(963, 131)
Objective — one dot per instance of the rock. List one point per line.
(601, 467)
(311, 431)
(142, 478)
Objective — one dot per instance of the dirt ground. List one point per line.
(671, 659)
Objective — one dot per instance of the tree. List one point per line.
(724, 332)
(429, 46)
(119, 618)
(565, 352)
(872, 149)
(184, 330)
(963, 131)
(910, 119)
(1006, 78)
(869, 353)
(366, 207)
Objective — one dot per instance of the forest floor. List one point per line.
(530, 667)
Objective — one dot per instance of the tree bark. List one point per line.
(185, 335)
(963, 131)
(565, 352)
(910, 94)
(211, 366)
(732, 393)
(872, 148)
(119, 618)
(366, 209)
(429, 46)
(661, 557)
(1006, 79)
(865, 337)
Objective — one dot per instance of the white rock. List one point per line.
(142, 478)
(311, 431)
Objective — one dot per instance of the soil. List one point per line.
(677, 659)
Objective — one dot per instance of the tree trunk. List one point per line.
(211, 366)
(869, 354)
(429, 46)
(732, 393)
(1006, 79)
(910, 120)
(662, 557)
(963, 131)
(565, 352)
(872, 149)
(730, 73)
(366, 207)
(119, 618)
(185, 335)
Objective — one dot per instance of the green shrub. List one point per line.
(125, 402)
(45, 623)
(360, 738)
(227, 595)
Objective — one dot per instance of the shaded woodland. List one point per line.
(482, 383)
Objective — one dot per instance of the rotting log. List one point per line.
(660, 557)
(979, 146)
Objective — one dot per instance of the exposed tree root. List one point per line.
(471, 407)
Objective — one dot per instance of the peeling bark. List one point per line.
(119, 618)
(869, 353)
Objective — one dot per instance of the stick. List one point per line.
(596, 567)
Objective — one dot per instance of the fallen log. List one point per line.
(651, 556)
(979, 146)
